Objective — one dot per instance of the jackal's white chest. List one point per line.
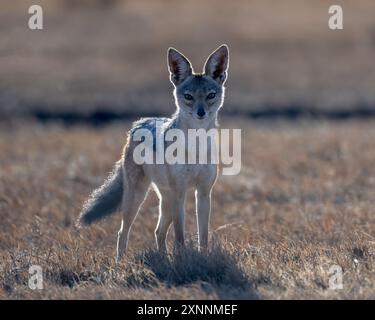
(180, 176)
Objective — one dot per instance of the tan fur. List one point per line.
(197, 108)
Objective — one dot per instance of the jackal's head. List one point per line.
(199, 96)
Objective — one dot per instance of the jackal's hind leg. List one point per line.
(164, 222)
(135, 190)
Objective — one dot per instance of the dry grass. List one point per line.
(304, 201)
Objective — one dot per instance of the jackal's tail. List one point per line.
(105, 200)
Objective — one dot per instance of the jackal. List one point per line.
(198, 98)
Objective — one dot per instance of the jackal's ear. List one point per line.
(217, 63)
(179, 66)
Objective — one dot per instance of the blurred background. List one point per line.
(107, 58)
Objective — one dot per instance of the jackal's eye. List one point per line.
(211, 95)
(188, 97)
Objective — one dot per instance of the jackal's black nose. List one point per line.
(201, 112)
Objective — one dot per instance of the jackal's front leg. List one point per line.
(171, 210)
(203, 207)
